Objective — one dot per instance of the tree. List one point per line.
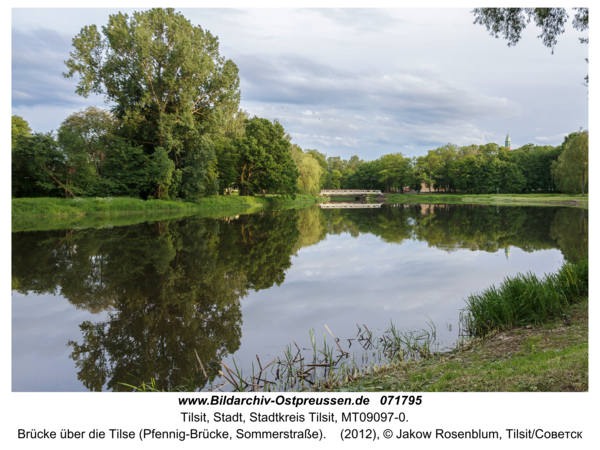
(463, 171)
(354, 162)
(309, 171)
(18, 127)
(396, 170)
(336, 163)
(41, 166)
(366, 176)
(265, 160)
(322, 160)
(336, 179)
(444, 157)
(427, 167)
(570, 172)
(510, 22)
(169, 84)
(36, 159)
(108, 164)
(94, 127)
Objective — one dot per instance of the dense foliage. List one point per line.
(480, 169)
(171, 88)
(175, 131)
(570, 171)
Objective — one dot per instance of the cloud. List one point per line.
(556, 138)
(323, 106)
(327, 141)
(38, 59)
(413, 94)
(366, 81)
(359, 20)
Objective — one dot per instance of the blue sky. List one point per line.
(347, 81)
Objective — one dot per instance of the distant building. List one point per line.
(507, 141)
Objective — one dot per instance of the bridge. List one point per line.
(341, 205)
(348, 192)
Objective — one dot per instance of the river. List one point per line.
(93, 308)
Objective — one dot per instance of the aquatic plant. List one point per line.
(526, 299)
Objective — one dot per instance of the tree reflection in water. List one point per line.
(171, 288)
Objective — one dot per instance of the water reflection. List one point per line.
(172, 288)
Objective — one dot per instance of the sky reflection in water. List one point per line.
(138, 300)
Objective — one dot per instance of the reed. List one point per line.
(526, 299)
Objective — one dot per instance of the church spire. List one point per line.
(507, 141)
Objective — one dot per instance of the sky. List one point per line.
(346, 82)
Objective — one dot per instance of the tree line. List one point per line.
(481, 169)
(175, 131)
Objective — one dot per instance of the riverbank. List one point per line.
(52, 207)
(493, 199)
(532, 336)
(42, 214)
(552, 357)
(36, 223)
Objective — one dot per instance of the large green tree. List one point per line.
(309, 171)
(396, 171)
(265, 161)
(170, 87)
(570, 172)
(41, 167)
(18, 127)
(322, 160)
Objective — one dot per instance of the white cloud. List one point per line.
(556, 138)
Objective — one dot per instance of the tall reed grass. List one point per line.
(526, 299)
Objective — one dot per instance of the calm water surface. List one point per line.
(95, 307)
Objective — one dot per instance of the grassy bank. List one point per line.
(35, 223)
(493, 199)
(29, 222)
(533, 336)
(551, 357)
(49, 207)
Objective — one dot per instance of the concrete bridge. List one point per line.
(348, 192)
(341, 205)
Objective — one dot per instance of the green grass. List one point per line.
(47, 207)
(35, 223)
(526, 299)
(493, 199)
